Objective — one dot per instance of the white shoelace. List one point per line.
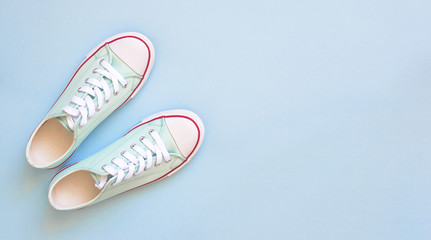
(85, 106)
(136, 164)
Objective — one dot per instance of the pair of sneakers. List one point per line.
(110, 75)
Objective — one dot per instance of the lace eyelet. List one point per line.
(156, 165)
(94, 71)
(132, 145)
(125, 85)
(106, 101)
(115, 93)
(151, 130)
(100, 62)
(122, 153)
(97, 109)
(141, 138)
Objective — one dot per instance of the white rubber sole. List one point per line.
(134, 34)
(186, 113)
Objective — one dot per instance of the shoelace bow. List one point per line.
(135, 164)
(100, 90)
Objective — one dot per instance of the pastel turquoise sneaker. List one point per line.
(152, 150)
(110, 75)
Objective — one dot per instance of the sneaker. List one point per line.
(110, 75)
(152, 150)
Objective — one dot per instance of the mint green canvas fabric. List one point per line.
(94, 163)
(84, 72)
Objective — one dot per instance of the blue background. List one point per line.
(317, 116)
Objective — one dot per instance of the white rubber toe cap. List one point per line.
(134, 51)
(185, 132)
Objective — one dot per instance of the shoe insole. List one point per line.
(74, 190)
(51, 141)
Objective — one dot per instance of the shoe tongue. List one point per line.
(96, 177)
(63, 122)
(100, 180)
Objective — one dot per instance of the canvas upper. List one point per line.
(181, 132)
(54, 141)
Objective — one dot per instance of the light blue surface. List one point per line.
(317, 116)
